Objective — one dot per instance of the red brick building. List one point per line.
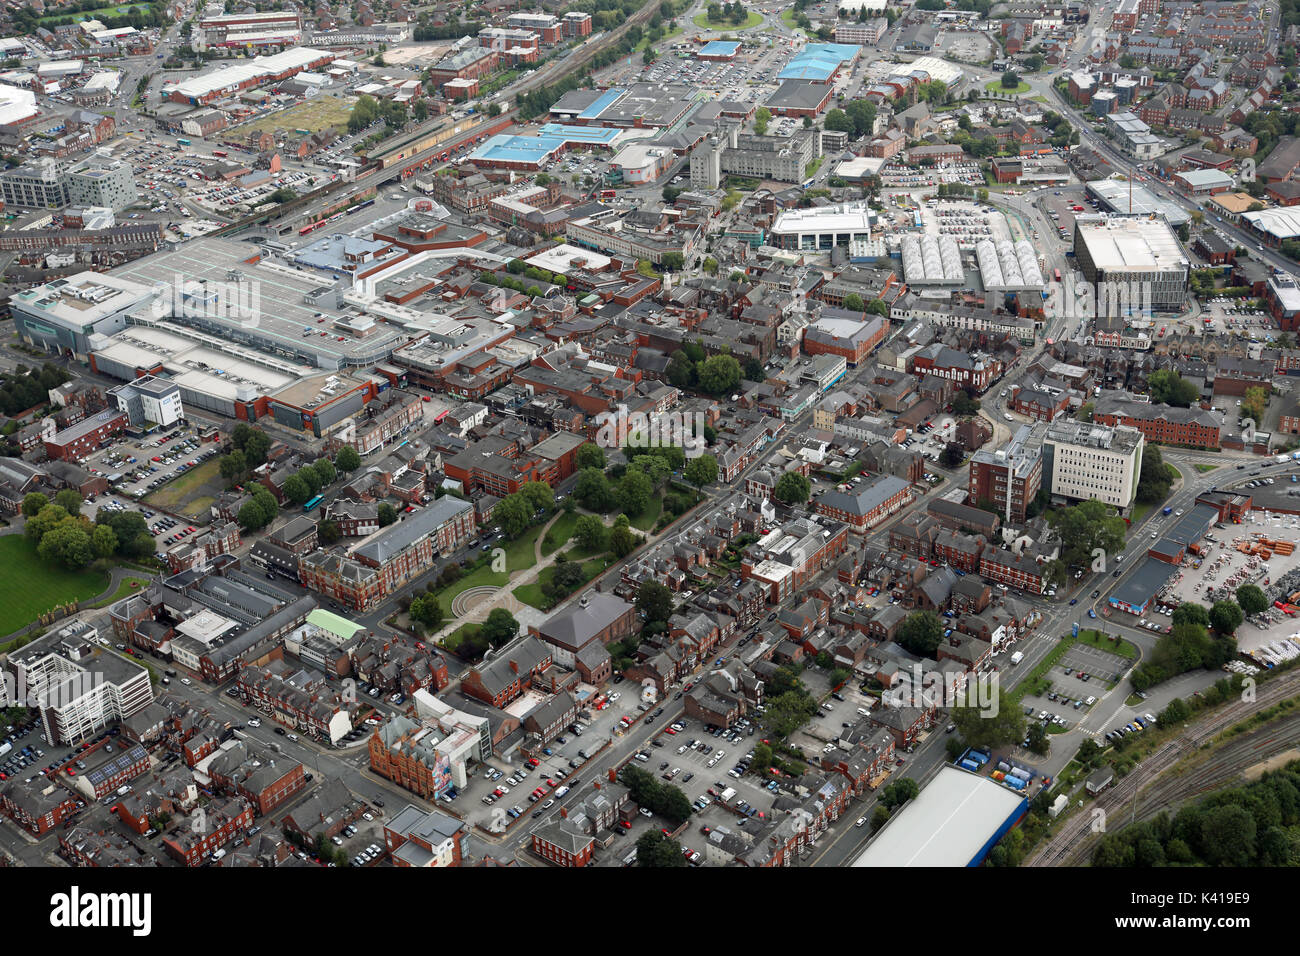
(867, 504)
(36, 811)
(419, 838)
(79, 440)
(563, 843)
(223, 820)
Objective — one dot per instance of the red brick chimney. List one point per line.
(564, 812)
(613, 775)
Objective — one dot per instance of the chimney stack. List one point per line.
(564, 812)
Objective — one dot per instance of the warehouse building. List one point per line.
(954, 821)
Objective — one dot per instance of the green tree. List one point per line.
(654, 601)
(654, 467)
(256, 448)
(328, 532)
(311, 479)
(500, 628)
(1227, 836)
(702, 470)
(1155, 478)
(655, 849)
(853, 302)
(673, 262)
(591, 456)
(1169, 388)
(538, 494)
(953, 455)
(296, 489)
(921, 633)
(325, 471)
(593, 490)
(761, 118)
(622, 541)
(1226, 617)
(792, 488)
(387, 514)
(1251, 599)
(634, 492)
(514, 513)
(67, 544)
(719, 374)
(49, 518)
(1084, 529)
(104, 540)
(990, 727)
(963, 404)
(347, 459)
(590, 532)
(681, 370)
(33, 502)
(233, 466)
(838, 121)
(69, 501)
(1189, 612)
(250, 517)
(427, 611)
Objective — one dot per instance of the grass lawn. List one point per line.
(315, 114)
(452, 640)
(1140, 511)
(560, 532)
(787, 17)
(80, 15)
(29, 586)
(1095, 639)
(1032, 683)
(128, 587)
(995, 86)
(519, 555)
(531, 594)
(646, 519)
(702, 21)
(173, 494)
(645, 42)
(1203, 467)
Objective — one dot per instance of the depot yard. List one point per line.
(1227, 567)
(316, 113)
(29, 586)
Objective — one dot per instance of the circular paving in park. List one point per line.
(470, 598)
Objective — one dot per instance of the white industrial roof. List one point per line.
(1280, 223)
(847, 217)
(938, 69)
(562, 257)
(948, 823)
(1134, 244)
(16, 105)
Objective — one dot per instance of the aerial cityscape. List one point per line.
(649, 433)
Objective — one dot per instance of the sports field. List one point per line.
(29, 586)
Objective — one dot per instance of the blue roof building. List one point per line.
(820, 62)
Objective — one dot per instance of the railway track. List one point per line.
(1071, 844)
